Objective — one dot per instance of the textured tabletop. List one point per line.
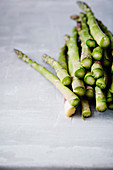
(34, 132)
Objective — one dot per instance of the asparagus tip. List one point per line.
(16, 51)
(74, 17)
(44, 55)
(79, 3)
(79, 26)
(66, 38)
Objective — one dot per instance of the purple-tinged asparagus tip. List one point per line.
(44, 56)
(16, 51)
(74, 17)
(79, 26)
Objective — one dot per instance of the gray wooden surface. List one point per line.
(34, 132)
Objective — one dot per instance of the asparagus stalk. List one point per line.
(101, 39)
(106, 60)
(109, 97)
(112, 68)
(90, 42)
(86, 59)
(61, 72)
(77, 84)
(68, 108)
(89, 79)
(86, 112)
(97, 70)
(89, 92)
(102, 81)
(73, 54)
(62, 57)
(97, 53)
(72, 98)
(107, 32)
(101, 105)
(110, 105)
(111, 86)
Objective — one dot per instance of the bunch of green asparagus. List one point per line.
(85, 67)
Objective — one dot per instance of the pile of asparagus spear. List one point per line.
(85, 67)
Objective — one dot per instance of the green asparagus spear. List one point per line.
(97, 53)
(73, 54)
(61, 72)
(111, 86)
(89, 92)
(86, 58)
(62, 57)
(107, 32)
(90, 42)
(101, 39)
(102, 81)
(77, 84)
(110, 105)
(89, 79)
(106, 59)
(68, 108)
(112, 68)
(86, 112)
(101, 105)
(97, 70)
(68, 94)
(109, 97)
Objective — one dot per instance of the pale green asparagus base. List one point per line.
(101, 83)
(69, 109)
(86, 62)
(97, 73)
(89, 92)
(89, 80)
(86, 112)
(80, 91)
(101, 104)
(97, 55)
